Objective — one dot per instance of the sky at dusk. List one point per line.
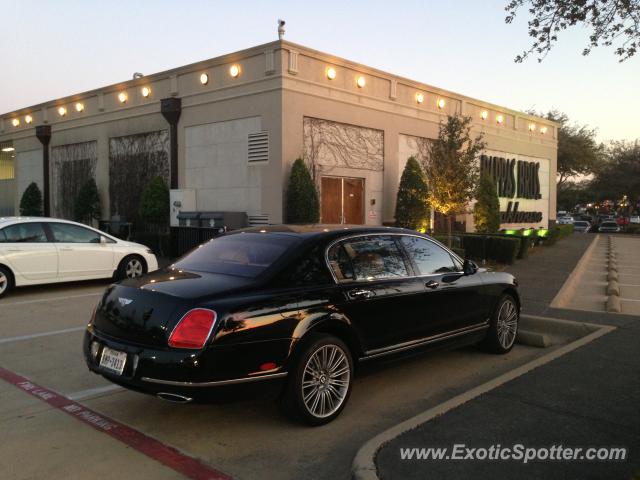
(52, 49)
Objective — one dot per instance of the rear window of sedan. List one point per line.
(240, 254)
(580, 224)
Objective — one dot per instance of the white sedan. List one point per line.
(35, 250)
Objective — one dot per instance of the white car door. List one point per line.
(81, 255)
(29, 252)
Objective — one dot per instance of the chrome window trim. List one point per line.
(217, 383)
(398, 234)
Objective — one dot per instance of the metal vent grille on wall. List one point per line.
(258, 147)
(258, 220)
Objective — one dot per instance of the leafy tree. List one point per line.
(154, 203)
(452, 167)
(412, 209)
(154, 209)
(31, 201)
(620, 174)
(486, 212)
(578, 150)
(302, 202)
(610, 21)
(87, 206)
(571, 194)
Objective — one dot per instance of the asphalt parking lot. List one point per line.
(40, 339)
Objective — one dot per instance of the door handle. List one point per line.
(432, 284)
(360, 293)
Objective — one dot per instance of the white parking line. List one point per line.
(52, 299)
(93, 392)
(43, 334)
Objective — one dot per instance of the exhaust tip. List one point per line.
(173, 397)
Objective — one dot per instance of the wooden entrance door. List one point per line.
(342, 200)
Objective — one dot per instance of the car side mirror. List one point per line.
(469, 267)
(103, 240)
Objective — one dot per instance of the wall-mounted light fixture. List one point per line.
(532, 127)
(62, 111)
(15, 122)
(146, 91)
(419, 97)
(204, 78)
(441, 103)
(8, 149)
(122, 97)
(361, 81)
(499, 119)
(234, 71)
(484, 114)
(79, 107)
(28, 119)
(331, 73)
(543, 130)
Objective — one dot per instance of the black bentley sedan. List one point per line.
(296, 305)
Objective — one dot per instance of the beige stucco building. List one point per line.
(242, 119)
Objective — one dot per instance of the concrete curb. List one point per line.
(613, 304)
(568, 288)
(533, 339)
(613, 288)
(364, 467)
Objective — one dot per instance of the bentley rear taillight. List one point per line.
(193, 329)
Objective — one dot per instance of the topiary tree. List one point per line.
(412, 209)
(302, 201)
(31, 201)
(486, 212)
(154, 208)
(87, 206)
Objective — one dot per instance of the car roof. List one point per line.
(322, 230)
(5, 221)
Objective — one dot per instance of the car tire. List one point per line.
(131, 266)
(6, 281)
(503, 326)
(319, 381)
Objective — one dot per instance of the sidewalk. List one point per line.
(589, 397)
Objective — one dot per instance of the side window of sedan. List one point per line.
(428, 257)
(25, 233)
(367, 258)
(67, 233)
(3, 237)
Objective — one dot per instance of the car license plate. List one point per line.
(113, 360)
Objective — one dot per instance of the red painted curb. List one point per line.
(166, 455)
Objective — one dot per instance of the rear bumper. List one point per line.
(200, 375)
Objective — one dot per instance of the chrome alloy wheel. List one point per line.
(325, 381)
(4, 282)
(134, 268)
(507, 323)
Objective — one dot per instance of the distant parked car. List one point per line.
(622, 221)
(36, 250)
(634, 219)
(581, 226)
(609, 227)
(565, 220)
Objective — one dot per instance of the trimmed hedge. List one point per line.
(503, 249)
(556, 233)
